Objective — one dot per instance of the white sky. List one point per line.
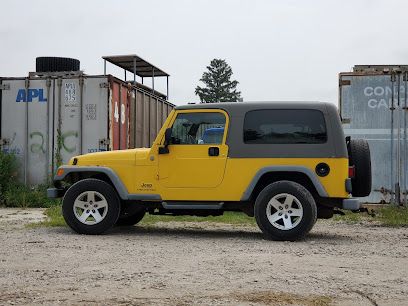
(278, 50)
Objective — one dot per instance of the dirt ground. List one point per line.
(200, 264)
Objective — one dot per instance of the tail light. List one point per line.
(352, 171)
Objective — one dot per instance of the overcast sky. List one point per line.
(278, 50)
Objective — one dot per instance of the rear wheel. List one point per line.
(285, 210)
(359, 157)
(91, 206)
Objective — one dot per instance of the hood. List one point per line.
(109, 157)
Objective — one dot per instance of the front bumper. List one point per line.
(351, 204)
(54, 193)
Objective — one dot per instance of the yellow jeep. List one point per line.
(285, 163)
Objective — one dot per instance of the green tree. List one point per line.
(218, 85)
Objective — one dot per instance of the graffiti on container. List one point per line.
(28, 95)
(65, 136)
(12, 149)
(90, 111)
(38, 145)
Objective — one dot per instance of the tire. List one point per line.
(291, 222)
(56, 64)
(129, 220)
(91, 207)
(359, 157)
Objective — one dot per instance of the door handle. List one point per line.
(213, 151)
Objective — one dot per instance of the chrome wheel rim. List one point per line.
(90, 207)
(284, 211)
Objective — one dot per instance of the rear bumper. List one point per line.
(54, 193)
(351, 204)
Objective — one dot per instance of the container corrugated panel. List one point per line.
(152, 120)
(365, 102)
(46, 121)
(26, 135)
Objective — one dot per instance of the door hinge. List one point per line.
(104, 85)
(345, 82)
(5, 87)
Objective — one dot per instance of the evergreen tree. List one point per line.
(218, 84)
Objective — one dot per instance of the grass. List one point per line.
(388, 216)
(393, 216)
(54, 219)
(350, 217)
(18, 195)
(228, 217)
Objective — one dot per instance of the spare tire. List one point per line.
(56, 64)
(359, 157)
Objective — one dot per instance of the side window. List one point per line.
(198, 128)
(285, 126)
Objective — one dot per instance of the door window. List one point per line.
(198, 128)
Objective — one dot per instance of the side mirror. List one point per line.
(167, 139)
(167, 136)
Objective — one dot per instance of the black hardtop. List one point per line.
(334, 147)
(248, 106)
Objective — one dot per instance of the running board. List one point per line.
(203, 205)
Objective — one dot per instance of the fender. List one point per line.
(117, 183)
(310, 174)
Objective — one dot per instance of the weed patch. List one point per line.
(235, 218)
(388, 216)
(54, 218)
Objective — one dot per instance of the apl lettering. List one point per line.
(28, 95)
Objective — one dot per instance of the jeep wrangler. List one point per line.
(284, 163)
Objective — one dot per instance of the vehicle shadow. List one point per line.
(200, 232)
(187, 232)
(233, 233)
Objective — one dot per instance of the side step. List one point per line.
(196, 205)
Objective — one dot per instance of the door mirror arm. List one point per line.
(167, 139)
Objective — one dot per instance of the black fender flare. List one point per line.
(116, 181)
(299, 169)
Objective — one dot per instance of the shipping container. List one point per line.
(47, 119)
(373, 106)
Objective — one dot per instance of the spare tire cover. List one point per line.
(359, 157)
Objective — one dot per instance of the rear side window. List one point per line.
(285, 126)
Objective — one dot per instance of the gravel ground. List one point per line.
(201, 264)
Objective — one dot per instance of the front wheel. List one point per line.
(285, 210)
(91, 206)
